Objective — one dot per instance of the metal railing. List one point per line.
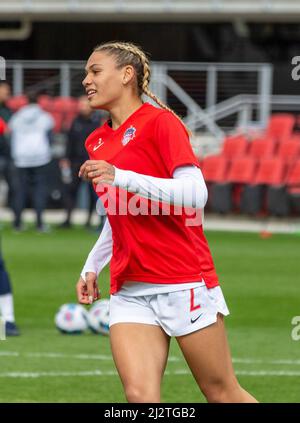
(245, 107)
(199, 92)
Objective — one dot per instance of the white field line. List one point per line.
(35, 375)
(66, 356)
(109, 357)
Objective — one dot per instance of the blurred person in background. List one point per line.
(85, 123)
(6, 296)
(31, 131)
(6, 301)
(5, 93)
(6, 168)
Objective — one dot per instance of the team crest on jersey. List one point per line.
(129, 134)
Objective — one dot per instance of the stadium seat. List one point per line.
(46, 102)
(241, 170)
(67, 108)
(214, 168)
(65, 104)
(261, 147)
(267, 191)
(226, 195)
(68, 119)
(289, 150)
(15, 103)
(234, 146)
(293, 185)
(293, 178)
(58, 119)
(280, 126)
(271, 171)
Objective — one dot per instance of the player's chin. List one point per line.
(96, 102)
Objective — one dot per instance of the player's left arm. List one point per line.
(186, 188)
(100, 255)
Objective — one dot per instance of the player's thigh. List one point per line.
(208, 356)
(140, 352)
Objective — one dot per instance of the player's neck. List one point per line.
(120, 113)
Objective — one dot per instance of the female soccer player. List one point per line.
(163, 281)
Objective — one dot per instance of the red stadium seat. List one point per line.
(214, 168)
(68, 120)
(293, 176)
(270, 172)
(281, 126)
(58, 119)
(65, 110)
(293, 186)
(46, 103)
(261, 147)
(234, 146)
(242, 171)
(289, 150)
(15, 103)
(65, 104)
(267, 193)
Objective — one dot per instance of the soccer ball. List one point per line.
(71, 318)
(98, 317)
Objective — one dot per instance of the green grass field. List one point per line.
(260, 280)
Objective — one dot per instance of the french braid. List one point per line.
(129, 53)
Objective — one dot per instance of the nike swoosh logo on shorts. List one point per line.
(194, 320)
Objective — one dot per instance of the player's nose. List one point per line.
(86, 81)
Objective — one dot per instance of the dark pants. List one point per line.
(70, 195)
(31, 180)
(7, 172)
(5, 287)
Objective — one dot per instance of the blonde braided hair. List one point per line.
(131, 54)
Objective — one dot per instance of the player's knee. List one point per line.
(138, 393)
(221, 391)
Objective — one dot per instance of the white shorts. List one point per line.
(178, 313)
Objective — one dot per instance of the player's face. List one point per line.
(4, 92)
(103, 81)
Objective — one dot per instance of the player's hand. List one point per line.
(97, 171)
(88, 291)
(64, 163)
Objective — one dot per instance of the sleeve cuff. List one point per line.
(86, 270)
(184, 163)
(121, 178)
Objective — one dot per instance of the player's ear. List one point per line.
(128, 74)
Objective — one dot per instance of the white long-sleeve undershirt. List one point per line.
(101, 253)
(187, 188)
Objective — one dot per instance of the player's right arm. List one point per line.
(87, 286)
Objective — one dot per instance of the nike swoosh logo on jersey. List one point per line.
(100, 142)
(194, 320)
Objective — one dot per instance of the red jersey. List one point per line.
(3, 126)
(147, 247)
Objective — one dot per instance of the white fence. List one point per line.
(193, 90)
